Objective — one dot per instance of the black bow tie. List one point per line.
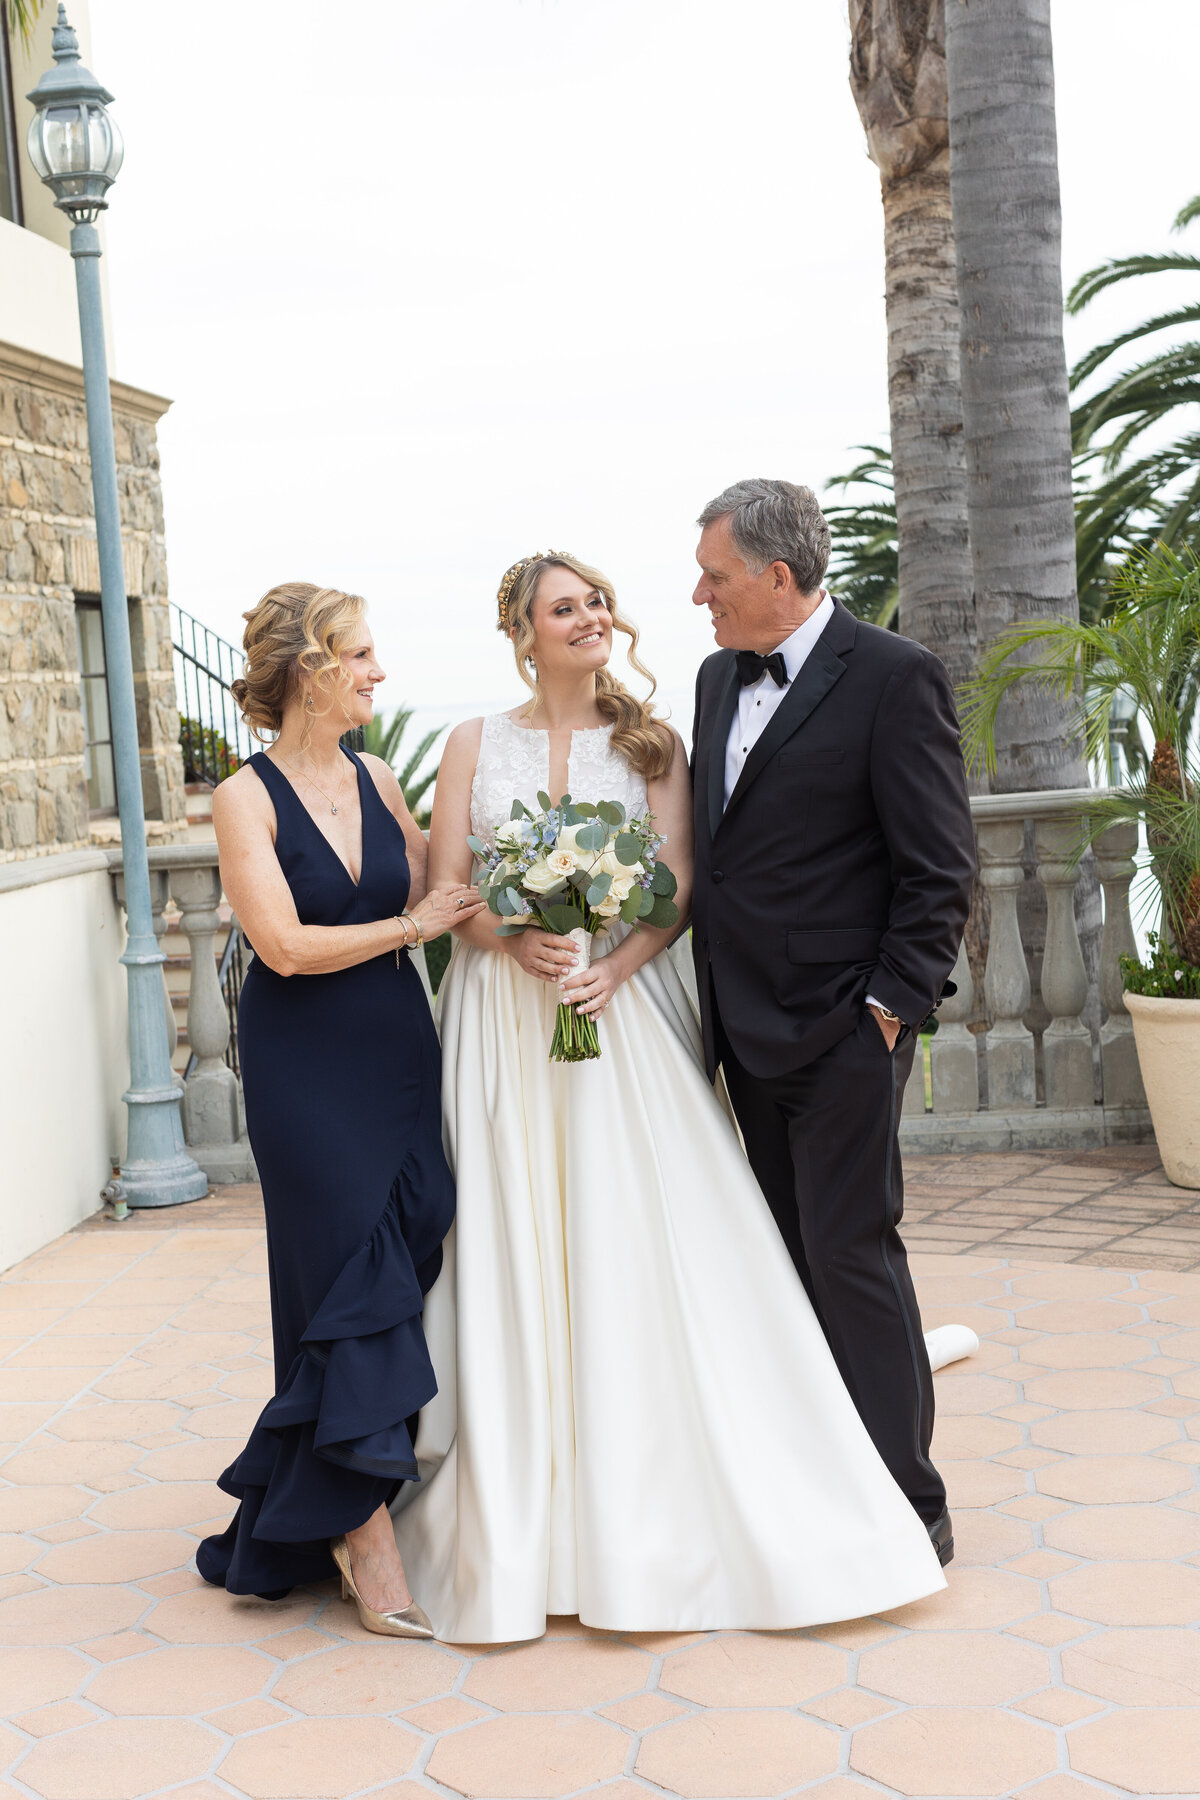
(752, 667)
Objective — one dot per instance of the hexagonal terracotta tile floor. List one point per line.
(1063, 1661)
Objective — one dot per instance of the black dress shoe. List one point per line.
(941, 1536)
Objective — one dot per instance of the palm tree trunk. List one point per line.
(1016, 416)
(898, 79)
(936, 593)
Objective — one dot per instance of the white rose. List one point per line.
(567, 841)
(611, 864)
(622, 887)
(510, 838)
(541, 877)
(562, 861)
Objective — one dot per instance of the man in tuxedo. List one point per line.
(834, 861)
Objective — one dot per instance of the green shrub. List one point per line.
(1166, 976)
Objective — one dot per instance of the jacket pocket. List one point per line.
(840, 944)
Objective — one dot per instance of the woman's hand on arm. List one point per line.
(670, 798)
(257, 890)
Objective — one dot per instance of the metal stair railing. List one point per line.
(212, 737)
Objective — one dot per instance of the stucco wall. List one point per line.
(63, 1058)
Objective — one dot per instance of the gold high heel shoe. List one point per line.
(408, 1622)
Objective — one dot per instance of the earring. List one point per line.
(308, 700)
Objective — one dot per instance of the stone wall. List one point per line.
(47, 556)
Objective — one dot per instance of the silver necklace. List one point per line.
(332, 804)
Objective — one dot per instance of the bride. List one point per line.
(650, 1430)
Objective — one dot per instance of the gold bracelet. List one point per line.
(416, 925)
(404, 920)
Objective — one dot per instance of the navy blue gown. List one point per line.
(341, 1079)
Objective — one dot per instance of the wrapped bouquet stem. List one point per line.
(576, 1038)
(573, 870)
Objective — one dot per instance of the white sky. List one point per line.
(434, 285)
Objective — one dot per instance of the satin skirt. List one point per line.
(638, 1419)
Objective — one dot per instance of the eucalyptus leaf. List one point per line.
(504, 904)
(599, 890)
(478, 846)
(612, 812)
(592, 836)
(631, 906)
(561, 919)
(571, 815)
(646, 903)
(662, 914)
(520, 811)
(544, 801)
(663, 882)
(629, 848)
(585, 809)
(509, 930)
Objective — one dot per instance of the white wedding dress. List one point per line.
(650, 1431)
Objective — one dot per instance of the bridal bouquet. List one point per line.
(574, 869)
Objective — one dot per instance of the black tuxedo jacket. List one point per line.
(843, 863)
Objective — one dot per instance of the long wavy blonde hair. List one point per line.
(641, 738)
(294, 638)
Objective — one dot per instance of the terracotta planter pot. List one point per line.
(1167, 1034)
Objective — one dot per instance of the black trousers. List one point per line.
(823, 1143)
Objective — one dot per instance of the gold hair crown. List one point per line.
(510, 577)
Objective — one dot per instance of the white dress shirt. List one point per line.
(758, 702)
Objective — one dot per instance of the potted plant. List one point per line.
(1143, 659)
(1162, 997)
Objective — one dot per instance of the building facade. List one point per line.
(56, 787)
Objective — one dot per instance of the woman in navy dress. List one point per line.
(324, 868)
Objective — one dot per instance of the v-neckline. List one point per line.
(362, 821)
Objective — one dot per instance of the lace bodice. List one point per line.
(514, 764)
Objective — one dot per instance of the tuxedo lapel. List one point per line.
(823, 668)
(727, 700)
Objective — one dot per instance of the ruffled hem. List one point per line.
(336, 1441)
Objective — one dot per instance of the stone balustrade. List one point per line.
(1016, 1083)
(213, 1119)
(1011, 1085)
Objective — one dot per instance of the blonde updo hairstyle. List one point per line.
(642, 739)
(293, 641)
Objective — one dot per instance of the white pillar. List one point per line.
(1115, 852)
(210, 1097)
(1011, 1078)
(953, 1051)
(1066, 1041)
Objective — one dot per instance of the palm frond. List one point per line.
(1186, 214)
(865, 562)
(1148, 648)
(1124, 268)
(1140, 395)
(409, 772)
(385, 739)
(1093, 359)
(22, 15)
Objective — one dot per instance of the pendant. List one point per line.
(333, 810)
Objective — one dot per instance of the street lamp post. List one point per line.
(77, 151)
